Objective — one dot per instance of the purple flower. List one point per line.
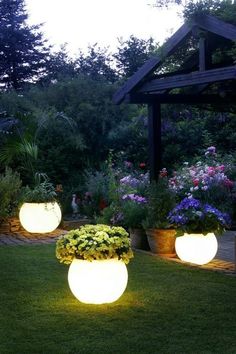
(177, 219)
(190, 215)
(224, 218)
(130, 181)
(188, 203)
(210, 151)
(135, 198)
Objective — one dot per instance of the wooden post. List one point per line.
(154, 137)
(202, 54)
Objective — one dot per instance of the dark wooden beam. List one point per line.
(154, 137)
(166, 50)
(213, 24)
(202, 54)
(195, 78)
(179, 99)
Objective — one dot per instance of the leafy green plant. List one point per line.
(10, 184)
(91, 242)
(42, 192)
(160, 202)
(134, 212)
(96, 195)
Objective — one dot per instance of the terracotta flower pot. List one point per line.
(162, 241)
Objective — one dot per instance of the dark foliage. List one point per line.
(23, 51)
(132, 54)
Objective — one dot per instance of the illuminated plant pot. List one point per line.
(98, 281)
(40, 217)
(196, 248)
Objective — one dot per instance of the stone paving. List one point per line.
(223, 262)
(24, 237)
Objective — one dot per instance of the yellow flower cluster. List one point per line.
(91, 242)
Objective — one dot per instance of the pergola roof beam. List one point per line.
(217, 26)
(195, 78)
(179, 98)
(167, 49)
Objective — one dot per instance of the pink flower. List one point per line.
(220, 168)
(211, 171)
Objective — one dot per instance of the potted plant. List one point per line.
(160, 233)
(197, 224)
(97, 255)
(40, 212)
(134, 209)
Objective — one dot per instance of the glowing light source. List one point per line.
(99, 281)
(196, 248)
(40, 217)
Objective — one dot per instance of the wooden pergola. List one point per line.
(198, 80)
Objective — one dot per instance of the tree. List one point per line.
(132, 54)
(23, 51)
(96, 64)
(59, 66)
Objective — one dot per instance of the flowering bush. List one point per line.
(193, 216)
(134, 210)
(91, 242)
(136, 183)
(207, 180)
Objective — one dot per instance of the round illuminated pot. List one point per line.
(40, 217)
(98, 281)
(196, 248)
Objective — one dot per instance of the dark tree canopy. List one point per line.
(132, 53)
(23, 51)
(59, 66)
(96, 64)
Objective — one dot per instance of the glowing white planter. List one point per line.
(196, 248)
(40, 217)
(99, 281)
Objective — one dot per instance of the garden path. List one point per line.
(225, 260)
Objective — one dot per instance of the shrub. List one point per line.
(10, 184)
(207, 180)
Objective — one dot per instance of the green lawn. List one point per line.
(167, 308)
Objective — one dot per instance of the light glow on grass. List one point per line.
(167, 308)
